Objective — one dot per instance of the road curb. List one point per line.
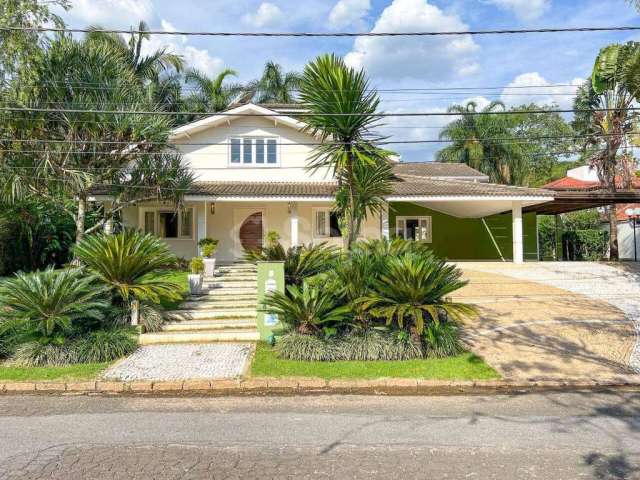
(316, 386)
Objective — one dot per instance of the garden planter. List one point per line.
(209, 266)
(195, 283)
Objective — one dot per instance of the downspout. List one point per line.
(495, 244)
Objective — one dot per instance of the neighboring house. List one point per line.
(585, 179)
(252, 177)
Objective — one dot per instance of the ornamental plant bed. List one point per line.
(466, 366)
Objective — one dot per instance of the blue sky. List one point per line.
(465, 61)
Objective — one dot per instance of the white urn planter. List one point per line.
(209, 266)
(195, 283)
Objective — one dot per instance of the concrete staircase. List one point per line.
(225, 312)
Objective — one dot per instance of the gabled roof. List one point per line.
(402, 189)
(236, 112)
(575, 184)
(439, 170)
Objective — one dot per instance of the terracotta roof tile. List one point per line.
(436, 169)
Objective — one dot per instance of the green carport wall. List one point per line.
(467, 238)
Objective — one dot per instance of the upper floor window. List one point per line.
(253, 151)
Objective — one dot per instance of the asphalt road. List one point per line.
(550, 436)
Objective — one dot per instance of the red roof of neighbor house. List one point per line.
(570, 183)
(621, 207)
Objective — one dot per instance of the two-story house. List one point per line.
(251, 173)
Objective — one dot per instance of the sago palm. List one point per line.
(132, 264)
(412, 292)
(307, 309)
(51, 301)
(342, 113)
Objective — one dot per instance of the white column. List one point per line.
(201, 223)
(384, 222)
(516, 216)
(293, 207)
(108, 223)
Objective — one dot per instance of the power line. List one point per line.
(308, 114)
(322, 34)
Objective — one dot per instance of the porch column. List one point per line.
(108, 222)
(202, 223)
(516, 216)
(293, 209)
(384, 222)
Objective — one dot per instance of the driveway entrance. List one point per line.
(556, 320)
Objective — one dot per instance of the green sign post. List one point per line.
(270, 278)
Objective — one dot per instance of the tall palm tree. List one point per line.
(605, 117)
(473, 142)
(330, 89)
(212, 94)
(145, 67)
(275, 86)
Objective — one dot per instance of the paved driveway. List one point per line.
(556, 319)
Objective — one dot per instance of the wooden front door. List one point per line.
(250, 232)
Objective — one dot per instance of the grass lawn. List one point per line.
(181, 279)
(463, 367)
(80, 371)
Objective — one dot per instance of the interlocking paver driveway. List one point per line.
(554, 320)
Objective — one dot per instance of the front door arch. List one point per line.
(250, 232)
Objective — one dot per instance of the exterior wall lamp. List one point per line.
(212, 208)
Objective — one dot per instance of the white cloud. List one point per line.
(267, 14)
(111, 13)
(199, 59)
(426, 58)
(524, 9)
(546, 93)
(349, 12)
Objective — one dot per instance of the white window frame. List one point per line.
(156, 222)
(402, 220)
(327, 222)
(253, 163)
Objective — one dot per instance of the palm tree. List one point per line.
(412, 291)
(145, 67)
(275, 86)
(212, 94)
(606, 119)
(341, 113)
(473, 142)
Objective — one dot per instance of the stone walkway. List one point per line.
(183, 362)
(554, 320)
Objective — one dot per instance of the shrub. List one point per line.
(375, 345)
(442, 339)
(50, 301)
(295, 346)
(40, 354)
(105, 345)
(412, 292)
(273, 238)
(368, 345)
(300, 262)
(129, 263)
(306, 310)
(197, 265)
(208, 246)
(151, 317)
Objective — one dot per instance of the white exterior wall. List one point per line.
(224, 224)
(211, 162)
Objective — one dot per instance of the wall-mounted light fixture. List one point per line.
(212, 208)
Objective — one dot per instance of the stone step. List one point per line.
(202, 336)
(192, 314)
(230, 285)
(218, 304)
(230, 279)
(195, 325)
(223, 294)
